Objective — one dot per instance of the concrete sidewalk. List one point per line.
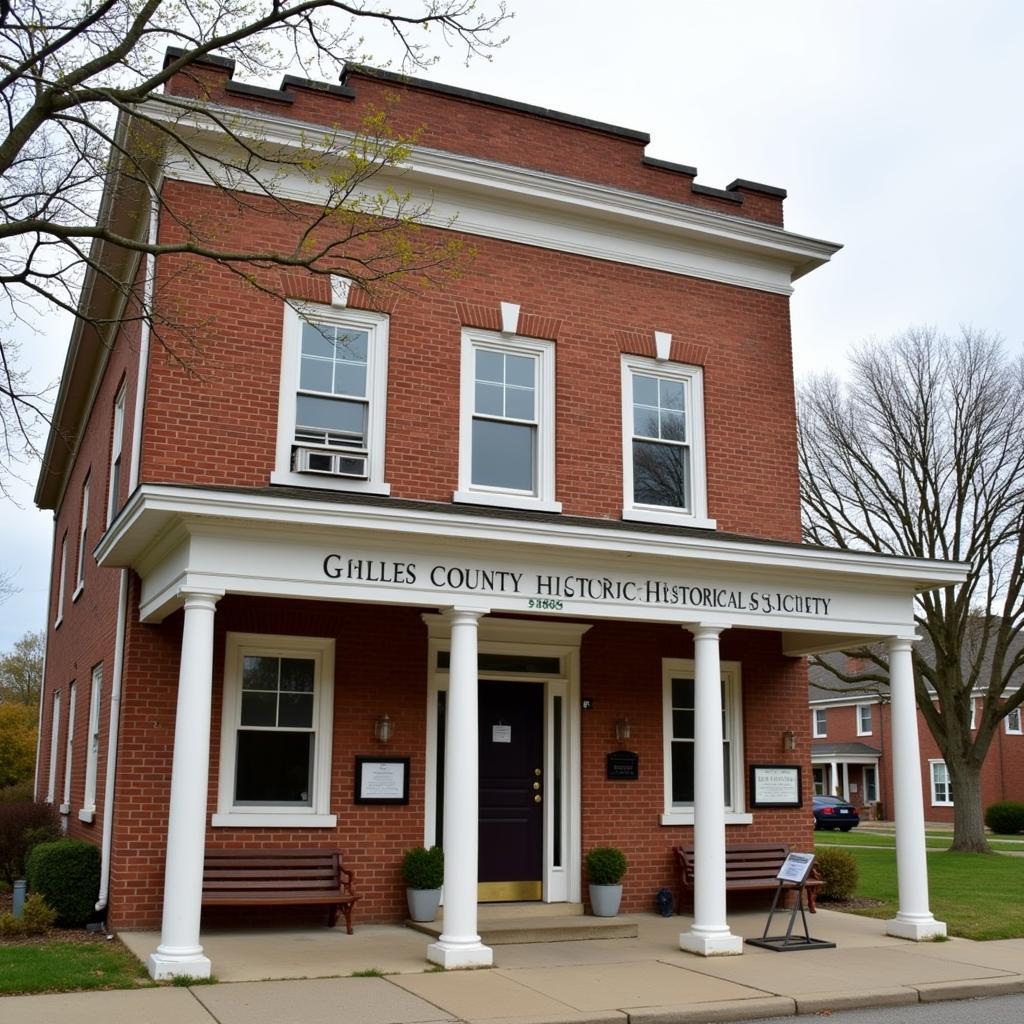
(621, 981)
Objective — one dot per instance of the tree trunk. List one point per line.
(968, 816)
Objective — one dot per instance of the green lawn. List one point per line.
(68, 966)
(978, 896)
(934, 840)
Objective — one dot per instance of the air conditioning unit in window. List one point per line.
(325, 462)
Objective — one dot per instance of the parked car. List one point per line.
(832, 813)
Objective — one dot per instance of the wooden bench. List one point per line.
(748, 868)
(268, 878)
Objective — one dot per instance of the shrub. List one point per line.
(37, 916)
(67, 875)
(17, 793)
(23, 824)
(1005, 818)
(422, 868)
(11, 927)
(838, 872)
(606, 865)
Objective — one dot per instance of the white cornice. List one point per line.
(154, 508)
(531, 207)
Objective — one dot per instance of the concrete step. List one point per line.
(544, 928)
(531, 908)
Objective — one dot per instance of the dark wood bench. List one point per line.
(268, 878)
(748, 868)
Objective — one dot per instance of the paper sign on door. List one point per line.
(501, 733)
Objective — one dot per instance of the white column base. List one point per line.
(922, 929)
(722, 943)
(163, 965)
(453, 955)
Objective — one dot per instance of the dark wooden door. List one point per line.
(511, 791)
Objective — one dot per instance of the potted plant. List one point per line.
(423, 874)
(605, 867)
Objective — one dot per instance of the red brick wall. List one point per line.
(194, 433)
(621, 672)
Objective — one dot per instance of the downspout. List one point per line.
(114, 729)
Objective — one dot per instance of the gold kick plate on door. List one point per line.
(505, 892)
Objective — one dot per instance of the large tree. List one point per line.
(85, 111)
(21, 671)
(920, 452)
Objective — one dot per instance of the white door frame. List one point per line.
(537, 638)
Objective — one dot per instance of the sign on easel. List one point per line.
(792, 875)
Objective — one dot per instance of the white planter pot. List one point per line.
(423, 903)
(605, 899)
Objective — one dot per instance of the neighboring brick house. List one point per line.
(851, 749)
(453, 552)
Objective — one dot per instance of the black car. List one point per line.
(832, 813)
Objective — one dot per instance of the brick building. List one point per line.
(852, 756)
(451, 550)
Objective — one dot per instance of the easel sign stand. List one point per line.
(792, 874)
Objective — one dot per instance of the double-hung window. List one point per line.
(332, 412)
(863, 719)
(819, 723)
(1013, 723)
(275, 758)
(51, 778)
(507, 430)
(942, 787)
(62, 579)
(83, 539)
(678, 724)
(116, 454)
(92, 751)
(663, 443)
(69, 749)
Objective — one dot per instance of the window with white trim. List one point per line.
(92, 749)
(51, 779)
(678, 735)
(507, 422)
(819, 723)
(1013, 723)
(333, 405)
(863, 719)
(116, 452)
(276, 731)
(663, 468)
(870, 784)
(69, 749)
(942, 788)
(83, 538)
(62, 579)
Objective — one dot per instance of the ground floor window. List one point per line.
(678, 731)
(819, 780)
(276, 731)
(942, 788)
(870, 785)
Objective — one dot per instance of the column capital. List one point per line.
(901, 643)
(201, 598)
(704, 630)
(461, 614)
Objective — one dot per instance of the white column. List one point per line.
(914, 920)
(180, 953)
(846, 781)
(459, 944)
(834, 788)
(709, 935)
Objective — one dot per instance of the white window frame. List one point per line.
(682, 814)
(692, 377)
(974, 712)
(933, 764)
(63, 580)
(870, 792)
(83, 536)
(861, 731)
(542, 497)
(819, 732)
(69, 748)
(51, 783)
(317, 814)
(116, 453)
(1013, 723)
(377, 326)
(92, 746)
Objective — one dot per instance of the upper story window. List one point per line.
(863, 719)
(663, 475)
(1013, 722)
(62, 579)
(116, 452)
(819, 723)
(333, 405)
(276, 732)
(507, 427)
(83, 537)
(678, 725)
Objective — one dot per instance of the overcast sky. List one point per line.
(895, 125)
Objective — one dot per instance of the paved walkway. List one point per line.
(646, 980)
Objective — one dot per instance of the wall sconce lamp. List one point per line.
(622, 729)
(789, 741)
(383, 728)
